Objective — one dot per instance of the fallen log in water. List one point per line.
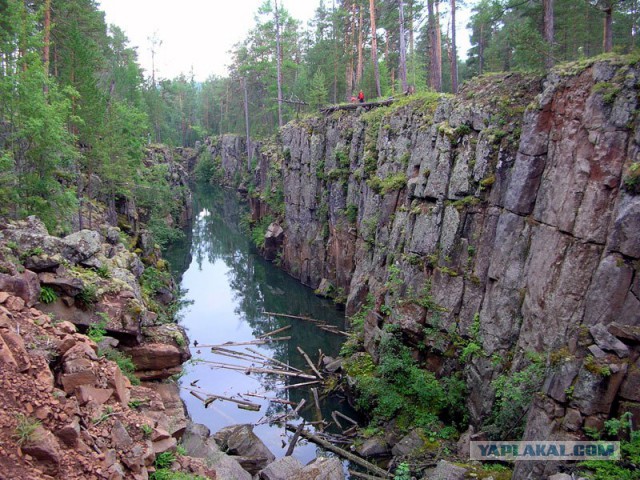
(308, 360)
(335, 419)
(304, 384)
(271, 399)
(343, 453)
(316, 401)
(241, 368)
(294, 440)
(284, 416)
(277, 362)
(197, 395)
(348, 419)
(275, 331)
(297, 317)
(210, 397)
(260, 341)
(326, 328)
(238, 356)
(350, 432)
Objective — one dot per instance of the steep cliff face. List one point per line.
(512, 207)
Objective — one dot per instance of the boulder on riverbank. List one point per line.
(322, 468)
(241, 442)
(283, 468)
(197, 442)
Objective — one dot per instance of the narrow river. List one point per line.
(229, 287)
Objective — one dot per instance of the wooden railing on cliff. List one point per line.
(355, 106)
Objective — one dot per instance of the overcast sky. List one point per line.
(198, 34)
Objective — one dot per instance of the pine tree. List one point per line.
(374, 47)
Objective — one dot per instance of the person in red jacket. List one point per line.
(361, 97)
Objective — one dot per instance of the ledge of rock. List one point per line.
(151, 359)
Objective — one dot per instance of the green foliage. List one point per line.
(259, 230)
(318, 92)
(34, 252)
(47, 294)
(158, 200)
(356, 335)
(274, 192)
(631, 181)
(351, 213)
(342, 157)
(403, 472)
(165, 474)
(39, 146)
(368, 230)
(487, 182)
(463, 130)
(514, 392)
(208, 169)
(336, 174)
(154, 280)
(97, 331)
(8, 180)
(467, 201)
(395, 279)
(596, 367)
(397, 387)
(88, 296)
(391, 183)
(469, 350)
(103, 272)
(147, 430)
(627, 467)
(609, 91)
(404, 159)
(164, 460)
(125, 363)
(108, 411)
(135, 403)
(163, 464)
(425, 299)
(25, 429)
(180, 450)
(320, 166)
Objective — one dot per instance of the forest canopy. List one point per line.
(75, 105)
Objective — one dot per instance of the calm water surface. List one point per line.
(230, 287)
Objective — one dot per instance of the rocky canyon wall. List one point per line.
(508, 216)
